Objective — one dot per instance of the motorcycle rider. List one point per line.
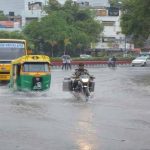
(113, 61)
(80, 71)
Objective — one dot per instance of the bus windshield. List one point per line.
(11, 50)
(36, 67)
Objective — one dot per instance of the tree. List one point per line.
(64, 22)
(52, 5)
(135, 19)
(12, 35)
(33, 33)
(52, 43)
(66, 42)
(2, 16)
(115, 3)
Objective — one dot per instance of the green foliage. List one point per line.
(12, 35)
(2, 16)
(31, 30)
(135, 19)
(53, 5)
(4, 34)
(115, 3)
(15, 35)
(64, 23)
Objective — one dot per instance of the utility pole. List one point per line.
(125, 45)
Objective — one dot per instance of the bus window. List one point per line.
(9, 53)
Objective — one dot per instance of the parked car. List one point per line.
(141, 61)
(85, 56)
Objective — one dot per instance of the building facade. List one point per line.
(109, 17)
(33, 10)
(23, 10)
(94, 3)
(112, 37)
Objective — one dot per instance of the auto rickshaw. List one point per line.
(30, 73)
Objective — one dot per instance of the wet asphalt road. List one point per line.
(116, 118)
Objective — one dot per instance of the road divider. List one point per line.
(58, 64)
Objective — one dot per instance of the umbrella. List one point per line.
(65, 56)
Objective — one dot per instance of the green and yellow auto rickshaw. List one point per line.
(30, 73)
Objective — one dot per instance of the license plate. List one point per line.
(37, 86)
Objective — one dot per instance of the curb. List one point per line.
(58, 64)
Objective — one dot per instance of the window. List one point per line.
(108, 39)
(113, 11)
(36, 67)
(101, 12)
(108, 23)
(35, 6)
(11, 50)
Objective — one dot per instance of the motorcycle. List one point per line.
(80, 87)
(111, 64)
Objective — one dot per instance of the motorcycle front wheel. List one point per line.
(87, 93)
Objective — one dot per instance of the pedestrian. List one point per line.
(64, 63)
(68, 63)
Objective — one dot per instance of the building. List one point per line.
(94, 3)
(33, 10)
(111, 38)
(26, 9)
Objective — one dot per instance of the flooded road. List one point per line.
(116, 118)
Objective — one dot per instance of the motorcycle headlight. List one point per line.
(85, 80)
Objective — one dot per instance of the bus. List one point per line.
(10, 49)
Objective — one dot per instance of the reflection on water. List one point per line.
(86, 137)
(84, 145)
(142, 79)
(58, 121)
(140, 75)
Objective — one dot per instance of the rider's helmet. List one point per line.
(81, 66)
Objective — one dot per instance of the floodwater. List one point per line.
(116, 118)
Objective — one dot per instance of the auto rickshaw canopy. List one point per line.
(31, 58)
